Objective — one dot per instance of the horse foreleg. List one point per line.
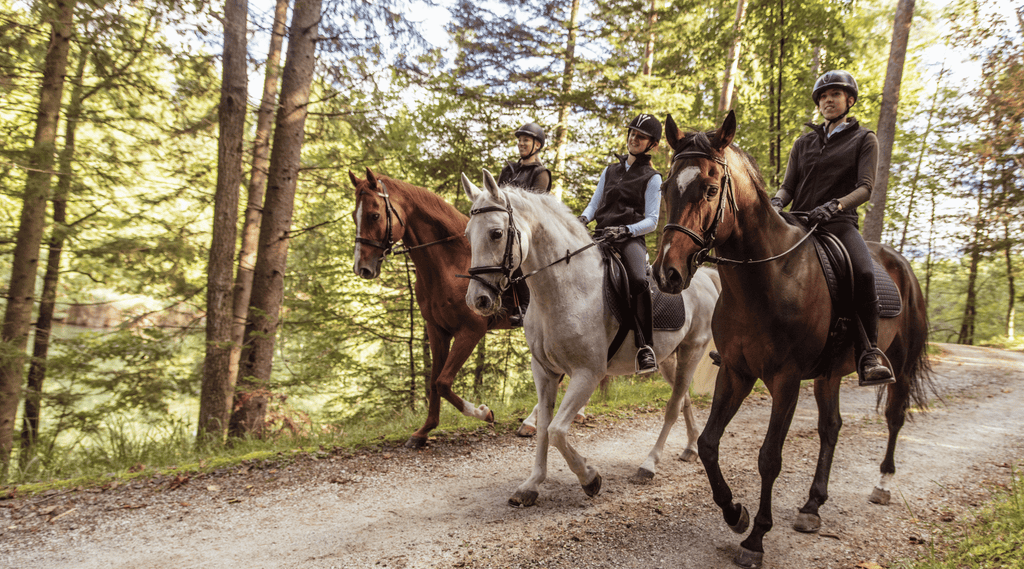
(529, 426)
(826, 393)
(462, 347)
(769, 465)
(670, 370)
(439, 348)
(730, 390)
(547, 390)
(576, 396)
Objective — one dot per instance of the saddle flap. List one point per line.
(835, 264)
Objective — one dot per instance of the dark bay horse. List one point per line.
(773, 320)
(432, 231)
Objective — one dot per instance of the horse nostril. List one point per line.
(366, 273)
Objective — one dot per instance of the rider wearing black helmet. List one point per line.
(831, 171)
(529, 172)
(626, 206)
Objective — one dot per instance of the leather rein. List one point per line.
(707, 240)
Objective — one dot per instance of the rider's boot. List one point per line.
(872, 370)
(517, 312)
(646, 361)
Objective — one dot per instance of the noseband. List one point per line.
(388, 245)
(506, 267)
(707, 240)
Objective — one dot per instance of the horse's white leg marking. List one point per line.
(482, 412)
(885, 482)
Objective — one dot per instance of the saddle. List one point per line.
(669, 309)
(837, 269)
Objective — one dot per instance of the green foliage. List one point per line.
(993, 539)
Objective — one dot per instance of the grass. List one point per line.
(124, 450)
(992, 539)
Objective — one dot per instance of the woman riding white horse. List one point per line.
(568, 328)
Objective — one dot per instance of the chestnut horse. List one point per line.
(773, 320)
(432, 231)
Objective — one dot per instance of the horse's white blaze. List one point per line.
(685, 176)
(359, 231)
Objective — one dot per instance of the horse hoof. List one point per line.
(642, 476)
(580, 418)
(526, 431)
(689, 456)
(879, 496)
(741, 525)
(748, 559)
(807, 523)
(416, 442)
(523, 498)
(490, 417)
(594, 487)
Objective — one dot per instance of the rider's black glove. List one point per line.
(616, 233)
(823, 213)
(777, 204)
(582, 219)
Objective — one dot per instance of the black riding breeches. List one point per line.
(634, 256)
(860, 258)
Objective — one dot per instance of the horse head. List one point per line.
(496, 242)
(697, 193)
(379, 224)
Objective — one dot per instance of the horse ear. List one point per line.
(724, 135)
(355, 181)
(489, 184)
(472, 192)
(371, 177)
(672, 133)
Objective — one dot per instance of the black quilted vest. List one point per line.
(524, 176)
(624, 201)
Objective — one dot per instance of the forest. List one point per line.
(176, 205)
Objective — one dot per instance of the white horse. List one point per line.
(567, 327)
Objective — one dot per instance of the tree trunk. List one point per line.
(21, 291)
(732, 64)
(216, 396)
(1011, 309)
(873, 220)
(652, 18)
(44, 322)
(268, 278)
(966, 335)
(562, 128)
(257, 189)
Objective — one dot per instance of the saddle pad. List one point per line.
(833, 258)
(669, 309)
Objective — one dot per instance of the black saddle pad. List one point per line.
(834, 263)
(669, 309)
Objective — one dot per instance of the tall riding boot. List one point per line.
(869, 361)
(517, 312)
(643, 332)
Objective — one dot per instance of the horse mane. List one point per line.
(702, 142)
(550, 208)
(432, 205)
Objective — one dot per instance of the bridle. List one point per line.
(387, 246)
(506, 267)
(707, 240)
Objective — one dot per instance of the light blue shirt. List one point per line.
(652, 205)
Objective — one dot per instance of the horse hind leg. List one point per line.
(528, 428)
(895, 417)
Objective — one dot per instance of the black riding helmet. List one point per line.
(832, 79)
(533, 130)
(648, 126)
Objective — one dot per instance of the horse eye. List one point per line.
(374, 216)
(496, 234)
(711, 192)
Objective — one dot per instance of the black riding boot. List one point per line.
(643, 308)
(870, 364)
(521, 300)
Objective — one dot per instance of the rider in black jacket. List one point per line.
(831, 171)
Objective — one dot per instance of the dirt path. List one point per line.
(446, 506)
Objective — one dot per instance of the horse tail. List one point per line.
(916, 369)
